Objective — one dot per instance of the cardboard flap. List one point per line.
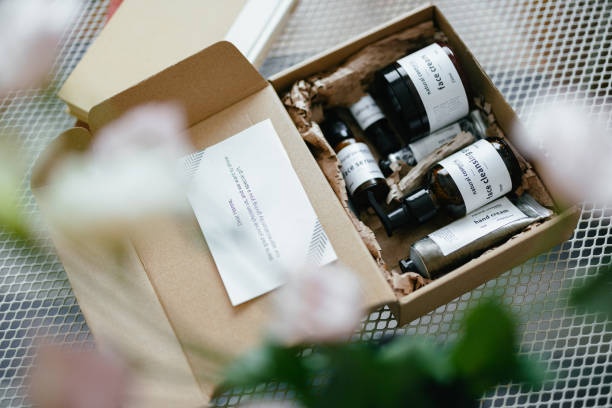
(143, 38)
(113, 294)
(205, 83)
(183, 271)
(172, 260)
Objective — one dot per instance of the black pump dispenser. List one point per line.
(460, 183)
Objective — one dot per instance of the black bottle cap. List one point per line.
(385, 95)
(415, 209)
(397, 218)
(407, 265)
(413, 111)
(334, 128)
(385, 167)
(421, 205)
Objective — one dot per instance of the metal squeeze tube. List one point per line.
(453, 245)
(423, 91)
(464, 181)
(414, 152)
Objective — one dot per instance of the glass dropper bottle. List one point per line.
(375, 125)
(357, 163)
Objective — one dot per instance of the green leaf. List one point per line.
(421, 355)
(595, 295)
(406, 371)
(418, 371)
(485, 354)
(351, 377)
(12, 218)
(271, 362)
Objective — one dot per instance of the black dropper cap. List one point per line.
(415, 209)
(334, 128)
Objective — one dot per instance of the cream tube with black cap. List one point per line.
(453, 245)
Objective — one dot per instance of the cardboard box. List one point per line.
(146, 36)
(180, 286)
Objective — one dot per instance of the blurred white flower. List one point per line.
(318, 305)
(30, 33)
(63, 378)
(572, 151)
(153, 129)
(129, 176)
(12, 217)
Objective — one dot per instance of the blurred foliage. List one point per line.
(595, 296)
(402, 371)
(12, 217)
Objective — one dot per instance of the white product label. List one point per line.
(438, 84)
(480, 174)
(366, 112)
(475, 225)
(358, 165)
(428, 144)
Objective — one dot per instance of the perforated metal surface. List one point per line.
(531, 49)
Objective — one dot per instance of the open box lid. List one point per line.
(223, 94)
(146, 36)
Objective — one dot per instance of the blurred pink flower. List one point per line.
(572, 151)
(30, 33)
(62, 378)
(155, 128)
(129, 176)
(318, 305)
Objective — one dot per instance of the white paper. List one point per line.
(254, 213)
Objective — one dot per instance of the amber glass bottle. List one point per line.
(374, 124)
(364, 180)
(460, 183)
(423, 91)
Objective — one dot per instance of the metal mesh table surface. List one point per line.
(532, 49)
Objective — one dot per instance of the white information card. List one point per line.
(254, 213)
